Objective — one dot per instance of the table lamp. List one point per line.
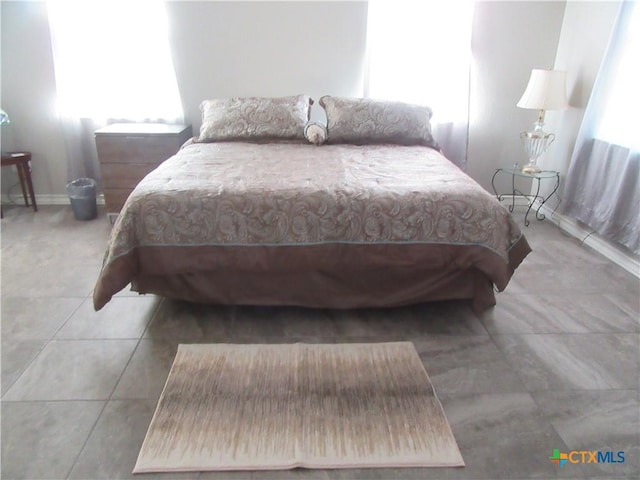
(545, 91)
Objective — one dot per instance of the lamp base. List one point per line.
(531, 168)
(535, 144)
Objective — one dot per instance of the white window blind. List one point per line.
(618, 124)
(112, 60)
(420, 52)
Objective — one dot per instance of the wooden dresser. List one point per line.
(128, 151)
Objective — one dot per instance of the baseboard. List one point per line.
(618, 255)
(45, 200)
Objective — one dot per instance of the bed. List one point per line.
(284, 222)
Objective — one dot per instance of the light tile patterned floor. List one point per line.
(554, 365)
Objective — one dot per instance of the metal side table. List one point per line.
(531, 198)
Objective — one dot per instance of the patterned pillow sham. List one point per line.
(254, 118)
(364, 121)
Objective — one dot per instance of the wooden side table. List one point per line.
(21, 161)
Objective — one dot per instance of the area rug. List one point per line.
(275, 407)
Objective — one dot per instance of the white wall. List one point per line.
(28, 95)
(283, 48)
(220, 49)
(580, 52)
(224, 49)
(509, 39)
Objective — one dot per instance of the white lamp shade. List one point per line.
(546, 91)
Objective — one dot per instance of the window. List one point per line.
(420, 52)
(112, 60)
(602, 185)
(621, 93)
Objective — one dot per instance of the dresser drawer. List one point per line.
(124, 175)
(129, 151)
(114, 198)
(133, 149)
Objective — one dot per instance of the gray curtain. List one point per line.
(82, 157)
(602, 191)
(601, 188)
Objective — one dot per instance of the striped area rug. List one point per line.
(274, 407)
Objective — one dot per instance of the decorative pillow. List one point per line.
(316, 133)
(363, 121)
(254, 118)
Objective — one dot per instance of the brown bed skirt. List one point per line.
(319, 276)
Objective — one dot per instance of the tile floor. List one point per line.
(554, 365)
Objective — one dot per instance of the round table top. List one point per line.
(518, 172)
(11, 158)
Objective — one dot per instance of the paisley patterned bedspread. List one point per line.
(222, 197)
(272, 194)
